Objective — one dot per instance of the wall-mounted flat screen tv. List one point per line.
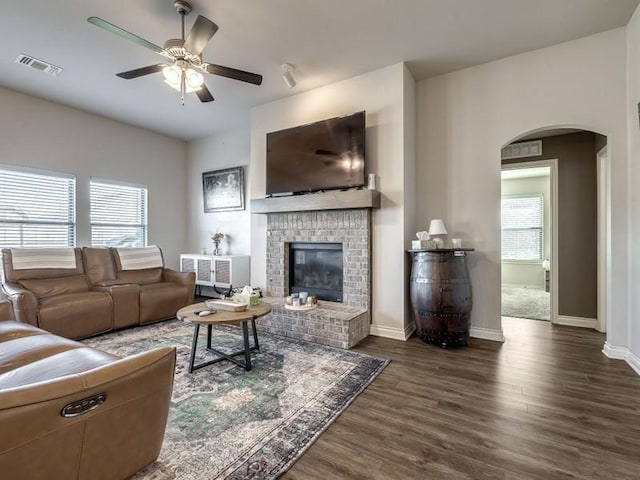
(323, 155)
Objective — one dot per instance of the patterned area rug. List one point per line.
(526, 303)
(226, 422)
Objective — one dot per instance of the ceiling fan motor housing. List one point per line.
(175, 47)
(183, 8)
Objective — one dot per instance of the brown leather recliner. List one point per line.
(56, 299)
(161, 292)
(68, 411)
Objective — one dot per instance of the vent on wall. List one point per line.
(41, 65)
(523, 149)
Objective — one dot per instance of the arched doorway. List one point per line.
(579, 254)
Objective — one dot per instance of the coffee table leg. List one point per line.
(196, 332)
(255, 334)
(247, 347)
(209, 327)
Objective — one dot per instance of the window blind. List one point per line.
(36, 209)
(118, 214)
(522, 227)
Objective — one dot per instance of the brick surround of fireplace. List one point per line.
(337, 324)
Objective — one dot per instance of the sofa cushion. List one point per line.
(15, 352)
(160, 301)
(76, 315)
(51, 287)
(98, 264)
(67, 362)
(141, 277)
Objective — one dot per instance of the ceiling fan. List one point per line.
(183, 64)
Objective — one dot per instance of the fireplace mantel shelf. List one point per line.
(331, 200)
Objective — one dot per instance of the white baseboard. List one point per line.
(408, 330)
(487, 334)
(617, 353)
(391, 332)
(577, 321)
(398, 334)
(622, 353)
(634, 361)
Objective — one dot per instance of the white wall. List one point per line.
(633, 97)
(224, 150)
(410, 186)
(465, 117)
(381, 93)
(40, 134)
(529, 274)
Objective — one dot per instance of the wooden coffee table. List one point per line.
(189, 314)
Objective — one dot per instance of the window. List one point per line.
(522, 222)
(118, 214)
(37, 209)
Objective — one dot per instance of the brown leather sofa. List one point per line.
(96, 296)
(71, 411)
(161, 291)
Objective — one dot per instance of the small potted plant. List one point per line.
(217, 237)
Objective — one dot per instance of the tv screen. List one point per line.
(320, 156)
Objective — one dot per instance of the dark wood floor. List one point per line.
(546, 404)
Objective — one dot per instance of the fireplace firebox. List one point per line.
(316, 268)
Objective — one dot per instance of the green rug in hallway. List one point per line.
(225, 422)
(526, 303)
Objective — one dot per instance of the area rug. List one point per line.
(225, 422)
(521, 302)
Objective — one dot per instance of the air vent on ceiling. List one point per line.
(41, 65)
(522, 149)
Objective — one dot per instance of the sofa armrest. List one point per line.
(126, 302)
(184, 278)
(25, 303)
(6, 310)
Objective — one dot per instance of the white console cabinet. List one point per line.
(220, 270)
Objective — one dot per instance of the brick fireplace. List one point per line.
(332, 323)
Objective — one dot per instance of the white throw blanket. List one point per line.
(139, 258)
(26, 258)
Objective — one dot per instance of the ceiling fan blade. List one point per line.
(201, 32)
(139, 72)
(204, 94)
(233, 73)
(110, 27)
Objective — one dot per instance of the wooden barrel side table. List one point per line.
(441, 296)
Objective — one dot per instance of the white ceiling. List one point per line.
(326, 41)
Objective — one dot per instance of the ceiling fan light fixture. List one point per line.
(172, 75)
(194, 79)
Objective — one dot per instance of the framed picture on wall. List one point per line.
(223, 190)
